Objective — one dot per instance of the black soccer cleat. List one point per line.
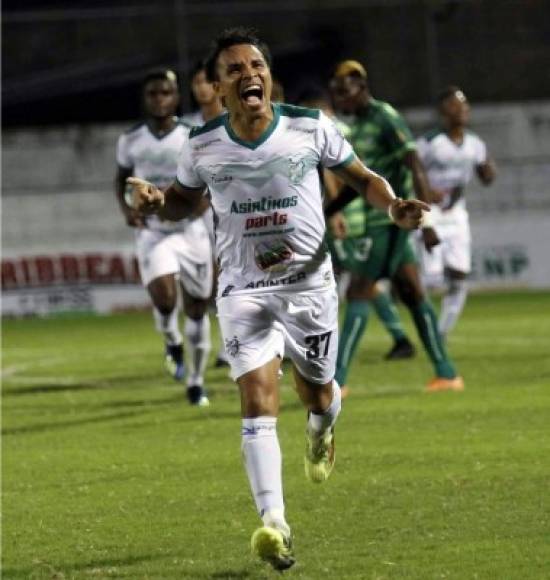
(402, 349)
(196, 395)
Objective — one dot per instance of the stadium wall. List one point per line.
(65, 245)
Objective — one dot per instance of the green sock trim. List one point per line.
(425, 321)
(389, 316)
(355, 322)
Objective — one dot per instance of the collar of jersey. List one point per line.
(160, 137)
(262, 138)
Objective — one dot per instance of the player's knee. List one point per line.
(165, 305)
(196, 308)
(259, 401)
(410, 295)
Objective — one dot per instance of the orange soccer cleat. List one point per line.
(442, 384)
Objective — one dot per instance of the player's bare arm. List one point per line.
(407, 214)
(174, 203)
(424, 193)
(132, 216)
(487, 172)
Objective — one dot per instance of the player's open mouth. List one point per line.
(252, 94)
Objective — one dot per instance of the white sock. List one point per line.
(320, 423)
(452, 305)
(263, 463)
(167, 325)
(197, 333)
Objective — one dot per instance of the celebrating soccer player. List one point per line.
(451, 154)
(168, 250)
(276, 290)
(384, 143)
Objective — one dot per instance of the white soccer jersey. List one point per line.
(448, 164)
(194, 119)
(154, 159)
(267, 199)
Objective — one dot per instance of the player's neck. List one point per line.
(250, 127)
(161, 126)
(211, 110)
(456, 133)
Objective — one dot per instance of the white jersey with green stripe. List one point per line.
(155, 159)
(267, 198)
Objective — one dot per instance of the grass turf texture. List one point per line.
(108, 473)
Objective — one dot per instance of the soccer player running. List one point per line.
(276, 289)
(168, 251)
(209, 106)
(451, 154)
(384, 143)
(351, 223)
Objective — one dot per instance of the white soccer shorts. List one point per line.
(454, 251)
(187, 254)
(258, 327)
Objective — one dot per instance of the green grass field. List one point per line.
(108, 473)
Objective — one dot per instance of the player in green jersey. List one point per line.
(350, 223)
(384, 143)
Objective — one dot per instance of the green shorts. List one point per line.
(379, 254)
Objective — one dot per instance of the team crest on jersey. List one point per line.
(232, 346)
(296, 169)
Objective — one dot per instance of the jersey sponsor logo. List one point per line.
(275, 219)
(273, 256)
(264, 204)
(301, 129)
(206, 144)
(227, 290)
(215, 177)
(293, 279)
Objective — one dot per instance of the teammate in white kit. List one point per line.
(169, 251)
(209, 107)
(276, 290)
(451, 155)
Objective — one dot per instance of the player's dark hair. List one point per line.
(231, 37)
(447, 92)
(160, 74)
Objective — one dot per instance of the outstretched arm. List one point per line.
(174, 203)
(377, 191)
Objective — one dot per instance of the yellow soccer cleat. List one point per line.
(320, 455)
(274, 547)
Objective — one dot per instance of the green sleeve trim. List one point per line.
(294, 111)
(208, 126)
(347, 161)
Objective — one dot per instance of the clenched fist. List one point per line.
(146, 198)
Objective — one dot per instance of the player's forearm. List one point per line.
(421, 184)
(176, 207)
(487, 172)
(379, 193)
